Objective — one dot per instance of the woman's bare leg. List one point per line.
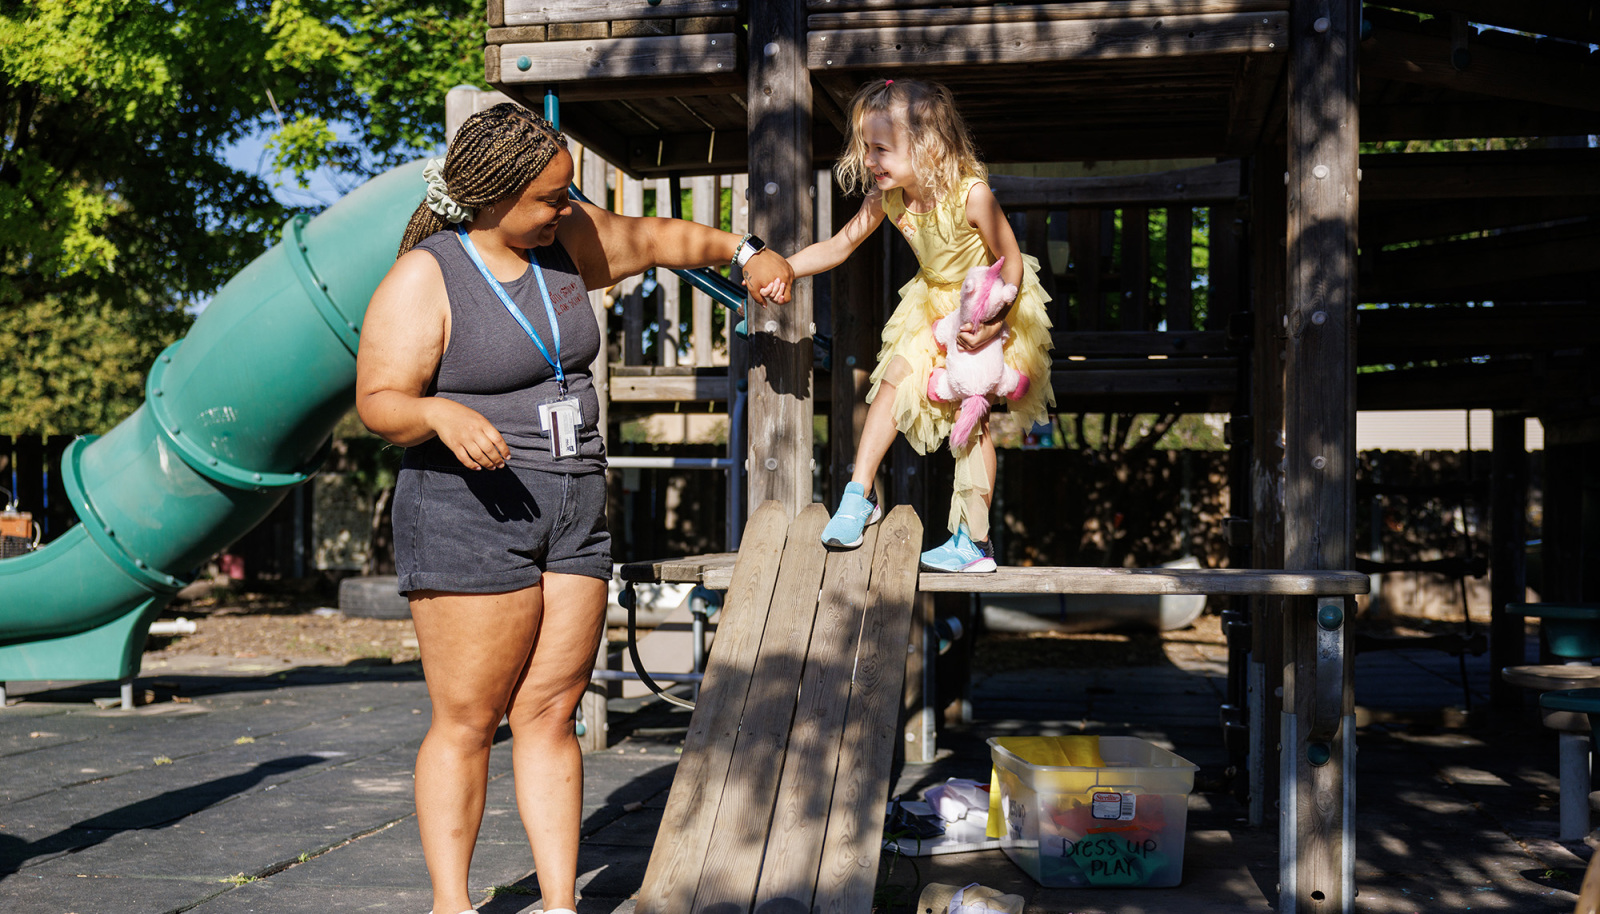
(546, 760)
(474, 647)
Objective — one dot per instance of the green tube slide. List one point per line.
(234, 414)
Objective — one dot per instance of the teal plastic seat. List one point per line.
(1581, 701)
(1570, 630)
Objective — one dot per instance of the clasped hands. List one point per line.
(768, 275)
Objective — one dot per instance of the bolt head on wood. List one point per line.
(1330, 616)
(1318, 754)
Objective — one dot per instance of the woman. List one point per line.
(475, 356)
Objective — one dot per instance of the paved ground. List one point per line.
(239, 789)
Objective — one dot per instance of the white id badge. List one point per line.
(561, 419)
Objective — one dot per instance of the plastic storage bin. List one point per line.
(1118, 825)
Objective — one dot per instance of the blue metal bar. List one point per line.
(668, 463)
(552, 107)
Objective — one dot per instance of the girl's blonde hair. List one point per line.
(942, 152)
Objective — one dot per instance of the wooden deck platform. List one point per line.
(715, 572)
(777, 803)
(664, 87)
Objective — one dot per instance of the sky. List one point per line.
(326, 186)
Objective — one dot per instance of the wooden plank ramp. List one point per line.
(777, 805)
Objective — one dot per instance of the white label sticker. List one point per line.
(1107, 805)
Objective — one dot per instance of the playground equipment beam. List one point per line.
(1316, 803)
(781, 213)
(1265, 512)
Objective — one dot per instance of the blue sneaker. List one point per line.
(960, 555)
(857, 509)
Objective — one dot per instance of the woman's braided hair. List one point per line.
(493, 156)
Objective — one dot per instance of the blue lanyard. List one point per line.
(549, 307)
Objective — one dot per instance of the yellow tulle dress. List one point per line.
(947, 246)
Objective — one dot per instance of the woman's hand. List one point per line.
(468, 435)
(977, 337)
(768, 275)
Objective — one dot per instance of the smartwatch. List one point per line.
(749, 246)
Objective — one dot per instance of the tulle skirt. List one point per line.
(909, 355)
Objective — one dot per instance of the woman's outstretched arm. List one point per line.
(608, 247)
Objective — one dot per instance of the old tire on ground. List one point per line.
(373, 598)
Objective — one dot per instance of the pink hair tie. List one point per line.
(888, 82)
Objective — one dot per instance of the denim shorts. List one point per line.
(493, 531)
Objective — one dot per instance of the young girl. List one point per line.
(909, 154)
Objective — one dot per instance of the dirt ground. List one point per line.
(289, 625)
(302, 626)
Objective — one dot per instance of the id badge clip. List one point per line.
(561, 419)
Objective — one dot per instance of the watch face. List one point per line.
(756, 244)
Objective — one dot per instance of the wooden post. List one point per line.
(1223, 295)
(668, 323)
(738, 379)
(1571, 529)
(1083, 246)
(463, 102)
(630, 291)
(781, 174)
(1508, 571)
(1265, 507)
(1316, 807)
(920, 713)
(704, 208)
(596, 727)
(1561, 530)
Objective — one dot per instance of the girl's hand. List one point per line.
(777, 290)
(977, 337)
(468, 435)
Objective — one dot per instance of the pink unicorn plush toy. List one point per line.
(972, 376)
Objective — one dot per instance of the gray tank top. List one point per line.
(492, 366)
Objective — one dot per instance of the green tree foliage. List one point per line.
(117, 210)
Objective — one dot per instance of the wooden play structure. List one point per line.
(1248, 115)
